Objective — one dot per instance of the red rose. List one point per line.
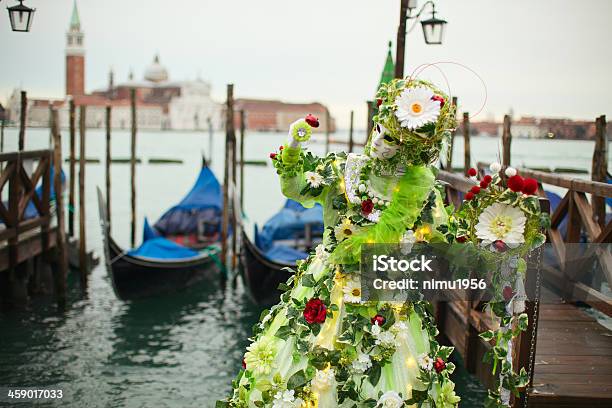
(378, 102)
(273, 156)
(508, 293)
(487, 179)
(367, 206)
(461, 239)
(281, 147)
(315, 311)
(530, 186)
(312, 120)
(472, 172)
(469, 195)
(500, 246)
(243, 364)
(379, 320)
(484, 184)
(475, 190)
(439, 99)
(515, 183)
(439, 365)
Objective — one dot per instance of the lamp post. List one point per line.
(21, 17)
(433, 29)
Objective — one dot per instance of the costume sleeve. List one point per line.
(304, 177)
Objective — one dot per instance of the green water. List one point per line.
(183, 349)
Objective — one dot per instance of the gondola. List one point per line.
(295, 231)
(135, 277)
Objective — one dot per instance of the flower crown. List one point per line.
(417, 116)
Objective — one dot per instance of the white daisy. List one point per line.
(352, 291)
(390, 399)
(323, 380)
(313, 179)
(286, 399)
(501, 222)
(344, 230)
(362, 363)
(425, 362)
(415, 107)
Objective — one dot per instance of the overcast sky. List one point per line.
(545, 57)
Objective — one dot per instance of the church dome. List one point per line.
(156, 72)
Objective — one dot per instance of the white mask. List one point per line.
(380, 148)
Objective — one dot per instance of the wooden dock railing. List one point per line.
(21, 192)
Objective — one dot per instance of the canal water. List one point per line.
(178, 350)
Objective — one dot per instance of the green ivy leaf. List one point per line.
(374, 374)
(297, 380)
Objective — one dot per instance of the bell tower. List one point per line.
(75, 56)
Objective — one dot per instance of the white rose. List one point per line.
(510, 172)
(495, 167)
(390, 399)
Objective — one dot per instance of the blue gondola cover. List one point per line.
(162, 248)
(202, 205)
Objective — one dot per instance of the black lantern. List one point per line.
(433, 29)
(21, 17)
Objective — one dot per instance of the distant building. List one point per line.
(276, 116)
(530, 127)
(161, 103)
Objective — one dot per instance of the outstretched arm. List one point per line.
(304, 177)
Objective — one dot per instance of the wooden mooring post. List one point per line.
(506, 141)
(242, 129)
(72, 169)
(599, 169)
(133, 167)
(83, 264)
(449, 153)
(210, 140)
(229, 127)
(351, 142)
(327, 129)
(107, 166)
(467, 157)
(61, 267)
(234, 186)
(23, 120)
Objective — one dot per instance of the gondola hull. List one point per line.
(261, 275)
(137, 277)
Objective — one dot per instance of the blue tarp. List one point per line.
(148, 232)
(289, 222)
(202, 205)
(162, 248)
(285, 254)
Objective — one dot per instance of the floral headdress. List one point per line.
(416, 116)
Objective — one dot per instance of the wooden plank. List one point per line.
(29, 247)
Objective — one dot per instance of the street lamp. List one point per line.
(433, 29)
(21, 17)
